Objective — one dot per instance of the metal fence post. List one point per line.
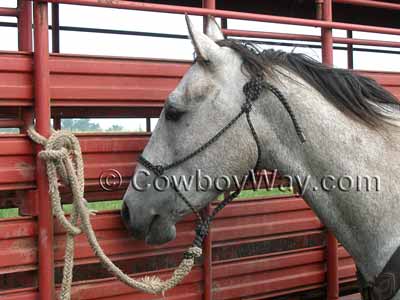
(332, 244)
(207, 248)
(24, 25)
(42, 113)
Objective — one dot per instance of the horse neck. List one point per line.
(337, 145)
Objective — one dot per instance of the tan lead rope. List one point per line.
(63, 157)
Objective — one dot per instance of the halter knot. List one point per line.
(158, 170)
(252, 89)
(246, 107)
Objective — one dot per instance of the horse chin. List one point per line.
(160, 232)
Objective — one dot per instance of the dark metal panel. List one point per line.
(121, 82)
(99, 150)
(21, 294)
(99, 82)
(247, 273)
(91, 81)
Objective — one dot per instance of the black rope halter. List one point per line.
(252, 91)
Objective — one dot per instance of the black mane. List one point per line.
(361, 95)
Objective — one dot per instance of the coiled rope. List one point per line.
(63, 157)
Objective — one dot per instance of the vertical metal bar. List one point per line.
(148, 124)
(25, 44)
(27, 118)
(207, 4)
(224, 23)
(318, 9)
(24, 25)
(57, 123)
(332, 244)
(55, 27)
(327, 38)
(350, 53)
(210, 4)
(207, 245)
(332, 267)
(207, 262)
(42, 109)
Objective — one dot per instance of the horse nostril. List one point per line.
(125, 215)
(136, 223)
(153, 221)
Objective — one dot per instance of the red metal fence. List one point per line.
(258, 248)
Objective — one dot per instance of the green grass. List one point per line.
(102, 205)
(8, 213)
(116, 204)
(265, 193)
(261, 193)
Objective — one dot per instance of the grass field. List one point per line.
(116, 204)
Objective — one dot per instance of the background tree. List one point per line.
(115, 127)
(80, 125)
(9, 130)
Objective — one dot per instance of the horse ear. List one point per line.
(205, 47)
(213, 31)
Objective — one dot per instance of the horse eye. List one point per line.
(173, 114)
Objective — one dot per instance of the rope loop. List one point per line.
(253, 88)
(54, 154)
(63, 158)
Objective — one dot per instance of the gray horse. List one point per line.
(351, 125)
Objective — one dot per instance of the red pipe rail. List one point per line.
(24, 25)
(42, 109)
(207, 260)
(332, 245)
(121, 4)
(25, 44)
(11, 123)
(207, 246)
(370, 3)
(8, 12)
(326, 34)
(307, 37)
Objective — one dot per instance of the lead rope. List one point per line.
(63, 157)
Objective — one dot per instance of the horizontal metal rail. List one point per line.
(8, 12)
(242, 33)
(108, 31)
(370, 3)
(310, 38)
(11, 123)
(120, 4)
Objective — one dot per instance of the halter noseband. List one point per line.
(252, 91)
